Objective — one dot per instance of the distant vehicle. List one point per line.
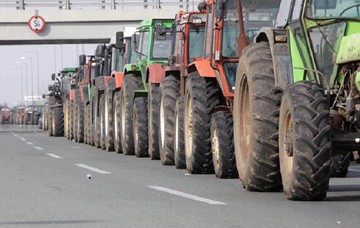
(5, 116)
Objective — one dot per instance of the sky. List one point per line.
(52, 58)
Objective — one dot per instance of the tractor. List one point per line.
(58, 113)
(110, 114)
(140, 88)
(208, 90)
(187, 44)
(296, 114)
(80, 93)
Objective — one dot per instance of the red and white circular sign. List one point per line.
(36, 23)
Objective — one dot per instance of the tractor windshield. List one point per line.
(162, 45)
(119, 57)
(333, 8)
(196, 40)
(257, 15)
(231, 30)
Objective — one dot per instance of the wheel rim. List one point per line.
(162, 123)
(245, 119)
(286, 149)
(215, 150)
(188, 126)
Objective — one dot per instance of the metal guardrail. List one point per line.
(99, 4)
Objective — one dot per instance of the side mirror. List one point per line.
(219, 8)
(82, 60)
(119, 43)
(135, 41)
(53, 77)
(100, 51)
(43, 96)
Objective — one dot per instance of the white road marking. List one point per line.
(186, 195)
(38, 148)
(54, 155)
(93, 169)
(30, 143)
(22, 139)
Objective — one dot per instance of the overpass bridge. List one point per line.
(78, 21)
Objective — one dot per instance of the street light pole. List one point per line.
(32, 84)
(37, 70)
(26, 78)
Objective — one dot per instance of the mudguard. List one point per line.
(280, 53)
(203, 66)
(119, 77)
(156, 72)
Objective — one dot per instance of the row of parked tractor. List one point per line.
(22, 115)
(279, 117)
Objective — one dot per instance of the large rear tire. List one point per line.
(71, 120)
(140, 127)
(179, 145)
(102, 121)
(50, 120)
(169, 91)
(153, 120)
(305, 142)
(201, 97)
(256, 111)
(117, 122)
(109, 119)
(96, 132)
(80, 123)
(66, 120)
(58, 127)
(222, 145)
(86, 124)
(130, 84)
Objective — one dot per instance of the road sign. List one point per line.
(37, 23)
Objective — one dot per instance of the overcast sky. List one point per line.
(51, 59)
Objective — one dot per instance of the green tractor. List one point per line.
(297, 106)
(140, 96)
(58, 112)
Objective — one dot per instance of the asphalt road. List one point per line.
(52, 182)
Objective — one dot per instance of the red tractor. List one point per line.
(208, 90)
(187, 44)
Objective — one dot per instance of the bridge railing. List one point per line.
(99, 4)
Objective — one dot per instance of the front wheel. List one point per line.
(140, 127)
(201, 97)
(169, 91)
(179, 145)
(222, 145)
(130, 84)
(117, 122)
(304, 142)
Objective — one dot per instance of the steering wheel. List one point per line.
(350, 7)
